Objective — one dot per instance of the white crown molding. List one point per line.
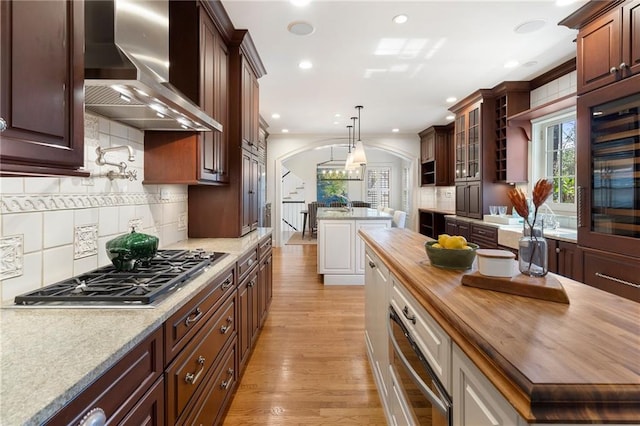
(50, 202)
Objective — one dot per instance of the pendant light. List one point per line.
(359, 157)
(348, 163)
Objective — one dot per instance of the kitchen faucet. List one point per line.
(349, 203)
(122, 166)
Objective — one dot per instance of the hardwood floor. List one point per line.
(309, 366)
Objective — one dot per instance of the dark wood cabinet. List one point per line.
(565, 258)
(202, 75)
(265, 282)
(485, 236)
(454, 226)
(475, 156)
(128, 390)
(249, 321)
(236, 204)
(612, 272)
(436, 156)
(431, 223)
(608, 46)
(42, 86)
(511, 143)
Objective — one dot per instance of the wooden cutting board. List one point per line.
(545, 288)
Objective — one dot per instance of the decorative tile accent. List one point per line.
(91, 126)
(11, 256)
(40, 202)
(85, 241)
(135, 224)
(182, 222)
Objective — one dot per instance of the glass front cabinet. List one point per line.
(609, 168)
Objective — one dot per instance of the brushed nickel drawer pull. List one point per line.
(194, 317)
(226, 383)
(226, 284)
(617, 280)
(226, 328)
(251, 283)
(193, 377)
(411, 318)
(371, 264)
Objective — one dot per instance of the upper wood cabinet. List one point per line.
(42, 86)
(608, 42)
(436, 156)
(200, 69)
(511, 143)
(475, 155)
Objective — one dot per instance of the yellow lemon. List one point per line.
(436, 245)
(442, 238)
(456, 242)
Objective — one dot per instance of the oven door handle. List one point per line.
(442, 406)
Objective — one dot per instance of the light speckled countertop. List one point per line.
(357, 213)
(48, 356)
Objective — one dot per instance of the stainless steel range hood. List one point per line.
(127, 67)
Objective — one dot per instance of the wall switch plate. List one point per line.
(164, 194)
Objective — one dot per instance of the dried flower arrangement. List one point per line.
(541, 192)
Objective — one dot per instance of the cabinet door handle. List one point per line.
(226, 383)
(251, 283)
(193, 377)
(227, 283)
(613, 70)
(558, 250)
(623, 66)
(195, 316)
(250, 262)
(3, 125)
(371, 264)
(226, 327)
(411, 318)
(617, 280)
(579, 191)
(94, 417)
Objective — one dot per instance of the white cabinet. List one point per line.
(376, 289)
(476, 402)
(341, 255)
(434, 343)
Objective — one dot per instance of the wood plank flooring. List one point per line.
(309, 366)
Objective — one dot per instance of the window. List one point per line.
(378, 184)
(554, 158)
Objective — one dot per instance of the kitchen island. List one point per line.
(550, 362)
(340, 249)
(51, 355)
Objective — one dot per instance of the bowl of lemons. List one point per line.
(451, 252)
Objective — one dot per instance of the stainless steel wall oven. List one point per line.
(427, 400)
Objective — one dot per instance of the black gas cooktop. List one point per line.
(106, 286)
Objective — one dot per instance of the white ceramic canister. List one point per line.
(496, 263)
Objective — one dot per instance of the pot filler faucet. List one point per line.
(122, 166)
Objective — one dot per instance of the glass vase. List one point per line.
(532, 251)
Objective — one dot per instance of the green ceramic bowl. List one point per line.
(129, 250)
(451, 258)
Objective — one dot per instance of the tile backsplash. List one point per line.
(441, 198)
(53, 228)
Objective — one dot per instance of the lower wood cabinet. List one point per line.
(131, 389)
(565, 259)
(611, 272)
(431, 223)
(457, 227)
(485, 236)
(248, 307)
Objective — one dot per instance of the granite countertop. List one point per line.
(436, 210)
(555, 363)
(357, 213)
(49, 355)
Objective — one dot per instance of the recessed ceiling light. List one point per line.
(450, 117)
(285, 130)
(530, 26)
(275, 115)
(337, 115)
(400, 19)
(451, 99)
(395, 130)
(305, 65)
(300, 28)
(300, 3)
(511, 64)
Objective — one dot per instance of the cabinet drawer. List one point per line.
(119, 389)
(616, 274)
(484, 236)
(193, 365)
(433, 341)
(246, 262)
(211, 402)
(184, 324)
(264, 248)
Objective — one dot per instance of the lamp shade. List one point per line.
(359, 157)
(349, 165)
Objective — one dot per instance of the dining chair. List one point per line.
(312, 208)
(399, 219)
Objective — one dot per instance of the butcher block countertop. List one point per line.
(555, 363)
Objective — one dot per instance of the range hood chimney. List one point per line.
(127, 67)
